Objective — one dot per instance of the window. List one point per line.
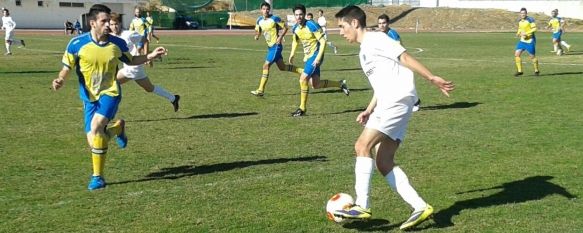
(18, 3)
(39, 3)
(72, 4)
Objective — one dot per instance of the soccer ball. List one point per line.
(339, 201)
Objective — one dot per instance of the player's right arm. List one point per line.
(257, 29)
(60, 80)
(362, 118)
(294, 46)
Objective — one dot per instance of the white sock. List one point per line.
(399, 182)
(362, 173)
(555, 47)
(564, 43)
(161, 92)
(7, 47)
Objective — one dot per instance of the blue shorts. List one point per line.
(106, 106)
(557, 35)
(274, 53)
(310, 69)
(529, 47)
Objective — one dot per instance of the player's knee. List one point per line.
(149, 89)
(362, 148)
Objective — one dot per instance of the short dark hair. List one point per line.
(7, 11)
(523, 9)
(265, 4)
(320, 11)
(96, 9)
(385, 17)
(115, 17)
(300, 7)
(310, 14)
(352, 12)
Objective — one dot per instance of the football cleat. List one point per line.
(298, 112)
(417, 217)
(175, 103)
(96, 182)
(417, 105)
(536, 73)
(22, 42)
(354, 212)
(344, 87)
(257, 93)
(517, 74)
(122, 139)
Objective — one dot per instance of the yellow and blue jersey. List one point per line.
(555, 24)
(309, 35)
(96, 65)
(270, 28)
(139, 25)
(528, 27)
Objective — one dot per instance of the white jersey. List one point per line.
(322, 21)
(7, 23)
(379, 58)
(132, 39)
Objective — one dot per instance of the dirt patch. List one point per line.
(404, 18)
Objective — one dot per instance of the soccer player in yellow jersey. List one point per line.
(150, 22)
(140, 25)
(557, 24)
(94, 56)
(269, 25)
(526, 30)
(313, 41)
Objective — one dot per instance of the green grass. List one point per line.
(501, 155)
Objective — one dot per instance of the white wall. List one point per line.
(52, 16)
(567, 8)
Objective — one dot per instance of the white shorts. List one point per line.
(9, 35)
(134, 72)
(392, 120)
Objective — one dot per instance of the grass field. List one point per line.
(503, 154)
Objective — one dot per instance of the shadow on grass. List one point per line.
(402, 15)
(371, 225)
(31, 72)
(207, 116)
(448, 106)
(560, 73)
(573, 53)
(529, 189)
(172, 173)
(330, 90)
(344, 69)
(187, 67)
(347, 111)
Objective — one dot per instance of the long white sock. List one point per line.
(399, 182)
(564, 43)
(555, 47)
(161, 92)
(363, 168)
(7, 47)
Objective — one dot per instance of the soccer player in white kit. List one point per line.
(389, 69)
(137, 73)
(322, 22)
(8, 26)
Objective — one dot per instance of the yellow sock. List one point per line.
(326, 83)
(295, 69)
(263, 81)
(114, 130)
(535, 63)
(518, 62)
(304, 89)
(98, 153)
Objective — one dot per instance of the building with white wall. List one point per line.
(567, 8)
(51, 14)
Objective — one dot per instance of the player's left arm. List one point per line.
(322, 41)
(283, 32)
(294, 46)
(416, 66)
